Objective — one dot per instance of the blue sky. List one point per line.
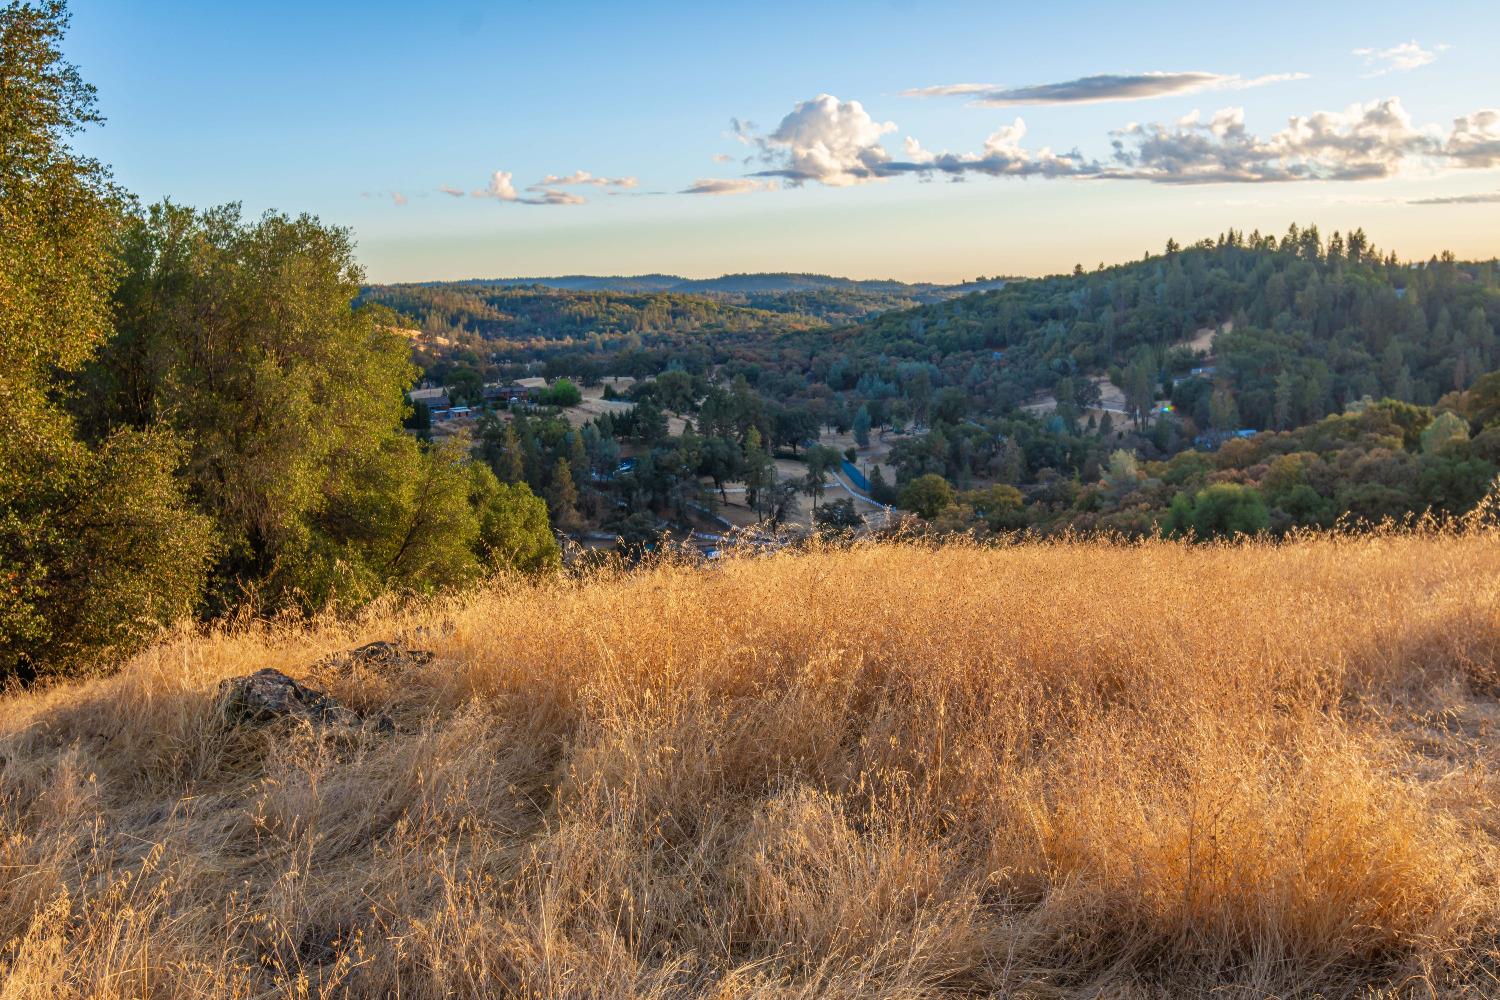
(363, 114)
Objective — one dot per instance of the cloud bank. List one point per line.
(838, 144)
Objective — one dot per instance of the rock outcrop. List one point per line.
(269, 696)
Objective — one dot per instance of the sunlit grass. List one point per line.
(1067, 769)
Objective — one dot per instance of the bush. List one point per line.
(560, 393)
(1220, 511)
(926, 495)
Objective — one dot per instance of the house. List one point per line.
(1207, 371)
(508, 393)
(435, 398)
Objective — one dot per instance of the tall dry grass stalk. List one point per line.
(1076, 769)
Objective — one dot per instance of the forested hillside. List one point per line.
(505, 308)
(1310, 325)
(1315, 325)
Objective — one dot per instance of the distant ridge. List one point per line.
(735, 284)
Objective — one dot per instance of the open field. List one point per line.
(1049, 770)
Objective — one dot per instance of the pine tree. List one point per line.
(562, 496)
(862, 427)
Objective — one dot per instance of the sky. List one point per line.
(927, 142)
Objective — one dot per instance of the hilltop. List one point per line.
(506, 316)
(739, 284)
(1063, 770)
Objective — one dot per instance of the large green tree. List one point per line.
(242, 336)
(97, 546)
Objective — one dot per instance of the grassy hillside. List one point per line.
(1048, 770)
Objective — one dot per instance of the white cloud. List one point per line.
(722, 158)
(1475, 139)
(583, 177)
(838, 144)
(1363, 142)
(502, 187)
(826, 140)
(1099, 88)
(453, 191)
(728, 186)
(1002, 156)
(1401, 58)
(398, 197)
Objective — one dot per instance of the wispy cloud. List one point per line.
(502, 187)
(452, 191)
(1401, 58)
(1482, 198)
(1099, 88)
(583, 177)
(727, 186)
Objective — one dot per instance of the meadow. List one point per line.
(895, 770)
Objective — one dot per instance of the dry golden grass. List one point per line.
(1075, 769)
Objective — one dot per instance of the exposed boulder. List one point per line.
(384, 656)
(269, 696)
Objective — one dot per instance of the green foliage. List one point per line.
(1222, 510)
(465, 386)
(1001, 507)
(240, 336)
(513, 528)
(1482, 401)
(926, 495)
(861, 427)
(560, 393)
(838, 516)
(97, 546)
(1446, 430)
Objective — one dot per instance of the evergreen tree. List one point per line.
(862, 427)
(562, 496)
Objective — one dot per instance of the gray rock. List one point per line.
(270, 696)
(377, 655)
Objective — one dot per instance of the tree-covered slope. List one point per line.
(1315, 326)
